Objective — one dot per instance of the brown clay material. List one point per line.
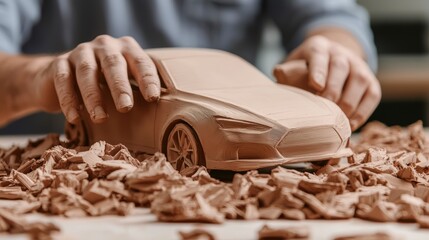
(219, 111)
(266, 233)
(423, 221)
(374, 236)
(196, 234)
(108, 179)
(14, 223)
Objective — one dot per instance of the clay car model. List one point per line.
(219, 111)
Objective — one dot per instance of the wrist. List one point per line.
(39, 82)
(19, 87)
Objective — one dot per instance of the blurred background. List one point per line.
(402, 39)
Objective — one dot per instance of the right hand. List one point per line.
(78, 72)
(331, 70)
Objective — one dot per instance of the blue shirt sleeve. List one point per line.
(17, 18)
(296, 18)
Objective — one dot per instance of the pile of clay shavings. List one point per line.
(284, 233)
(386, 180)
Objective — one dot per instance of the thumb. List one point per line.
(293, 73)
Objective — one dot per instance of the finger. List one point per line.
(293, 73)
(338, 73)
(316, 52)
(65, 89)
(354, 89)
(86, 69)
(318, 63)
(114, 68)
(369, 103)
(143, 70)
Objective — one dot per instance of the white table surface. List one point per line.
(141, 224)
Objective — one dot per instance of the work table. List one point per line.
(141, 224)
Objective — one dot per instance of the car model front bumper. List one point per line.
(250, 164)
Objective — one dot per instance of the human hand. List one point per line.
(79, 71)
(330, 70)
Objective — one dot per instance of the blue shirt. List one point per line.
(53, 26)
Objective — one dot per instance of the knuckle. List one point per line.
(147, 77)
(128, 39)
(360, 77)
(61, 77)
(60, 73)
(143, 61)
(336, 49)
(375, 93)
(82, 46)
(315, 49)
(86, 67)
(67, 100)
(112, 60)
(118, 83)
(103, 39)
(318, 41)
(340, 63)
(91, 95)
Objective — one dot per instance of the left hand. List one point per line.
(330, 70)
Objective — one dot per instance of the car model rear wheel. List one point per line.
(183, 147)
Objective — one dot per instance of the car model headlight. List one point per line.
(241, 126)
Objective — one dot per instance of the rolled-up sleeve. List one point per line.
(296, 18)
(17, 18)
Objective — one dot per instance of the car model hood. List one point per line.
(297, 108)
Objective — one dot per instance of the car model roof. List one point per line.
(159, 54)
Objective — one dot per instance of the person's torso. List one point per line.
(231, 25)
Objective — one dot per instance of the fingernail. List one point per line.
(98, 113)
(72, 115)
(152, 92)
(125, 102)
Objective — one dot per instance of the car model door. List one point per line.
(134, 129)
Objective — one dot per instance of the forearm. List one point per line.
(342, 37)
(18, 92)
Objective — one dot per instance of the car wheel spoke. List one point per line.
(188, 162)
(179, 163)
(188, 145)
(174, 149)
(182, 150)
(177, 140)
(190, 150)
(182, 139)
(176, 159)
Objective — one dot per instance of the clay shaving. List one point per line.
(385, 181)
(196, 234)
(270, 233)
(374, 236)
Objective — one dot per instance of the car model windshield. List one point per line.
(213, 72)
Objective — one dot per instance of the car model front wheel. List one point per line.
(183, 147)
